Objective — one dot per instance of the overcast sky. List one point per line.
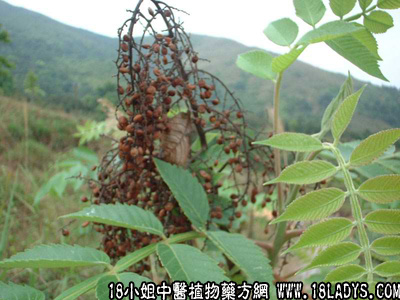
(225, 18)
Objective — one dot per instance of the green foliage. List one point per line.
(186, 263)
(31, 86)
(56, 256)
(387, 245)
(344, 114)
(325, 233)
(346, 273)
(378, 21)
(258, 63)
(373, 147)
(79, 164)
(188, 192)
(282, 32)
(385, 221)
(121, 215)
(293, 142)
(310, 11)
(314, 205)
(79, 289)
(306, 172)
(389, 4)
(342, 7)
(336, 255)
(388, 269)
(239, 249)
(382, 189)
(282, 62)
(13, 291)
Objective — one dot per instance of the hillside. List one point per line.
(74, 67)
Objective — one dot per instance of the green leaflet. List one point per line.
(310, 11)
(345, 273)
(389, 4)
(335, 255)
(134, 257)
(373, 147)
(386, 221)
(282, 62)
(186, 263)
(329, 31)
(364, 4)
(378, 21)
(56, 256)
(121, 215)
(360, 48)
(103, 291)
(344, 114)
(188, 192)
(345, 91)
(291, 141)
(13, 291)
(315, 205)
(305, 172)
(381, 189)
(387, 245)
(326, 233)
(388, 269)
(258, 63)
(282, 32)
(342, 7)
(243, 253)
(79, 289)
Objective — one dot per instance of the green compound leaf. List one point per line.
(326, 233)
(345, 91)
(336, 255)
(378, 21)
(388, 269)
(345, 273)
(329, 31)
(186, 263)
(188, 192)
(306, 172)
(79, 289)
(344, 114)
(388, 245)
(121, 215)
(243, 253)
(361, 49)
(386, 221)
(282, 62)
(373, 147)
(315, 205)
(310, 11)
(282, 32)
(381, 189)
(389, 4)
(291, 141)
(103, 291)
(13, 291)
(342, 7)
(258, 63)
(364, 4)
(56, 256)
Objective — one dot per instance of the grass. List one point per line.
(31, 144)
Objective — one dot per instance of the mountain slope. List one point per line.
(71, 63)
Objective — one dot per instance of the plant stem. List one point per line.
(357, 212)
(277, 153)
(356, 16)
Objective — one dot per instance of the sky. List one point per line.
(232, 19)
